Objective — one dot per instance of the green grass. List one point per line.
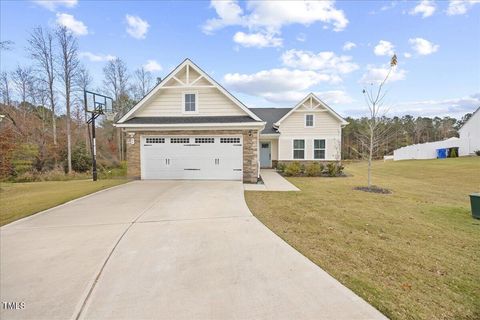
(413, 254)
(19, 200)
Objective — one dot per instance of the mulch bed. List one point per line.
(374, 189)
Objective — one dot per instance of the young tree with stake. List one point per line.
(376, 132)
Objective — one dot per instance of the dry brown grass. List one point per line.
(19, 200)
(413, 254)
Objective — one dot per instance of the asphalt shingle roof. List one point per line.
(270, 115)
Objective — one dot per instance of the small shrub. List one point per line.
(477, 152)
(302, 168)
(334, 169)
(281, 167)
(24, 157)
(314, 169)
(292, 169)
(81, 160)
(28, 176)
(453, 153)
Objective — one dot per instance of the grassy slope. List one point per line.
(412, 254)
(18, 200)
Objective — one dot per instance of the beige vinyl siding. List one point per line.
(332, 147)
(325, 127)
(325, 124)
(168, 102)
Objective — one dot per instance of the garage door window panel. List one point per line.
(155, 140)
(179, 140)
(204, 140)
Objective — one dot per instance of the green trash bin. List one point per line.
(475, 202)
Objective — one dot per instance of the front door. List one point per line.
(265, 155)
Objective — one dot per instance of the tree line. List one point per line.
(398, 132)
(43, 119)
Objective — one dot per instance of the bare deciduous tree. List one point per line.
(83, 82)
(6, 45)
(42, 51)
(116, 81)
(5, 87)
(376, 132)
(142, 83)
(22, 78)
(68, 66)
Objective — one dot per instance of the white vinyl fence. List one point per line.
(425, 150)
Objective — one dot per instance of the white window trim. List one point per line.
(325, 149)
(305, 120)
(196, 102)
(304, 149)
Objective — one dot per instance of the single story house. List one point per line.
(190, 127)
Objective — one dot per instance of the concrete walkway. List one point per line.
(163, 250)
(272, 181)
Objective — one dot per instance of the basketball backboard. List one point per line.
(98, 103)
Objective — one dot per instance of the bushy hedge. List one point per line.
(313, 169)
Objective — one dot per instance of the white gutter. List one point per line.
(190, 125)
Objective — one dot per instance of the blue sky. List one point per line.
(272, 54)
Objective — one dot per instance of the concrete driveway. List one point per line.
(163, 250)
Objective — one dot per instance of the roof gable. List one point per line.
(189, 76)
(312, 102)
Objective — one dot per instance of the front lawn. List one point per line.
(413, 254)
(19, 200)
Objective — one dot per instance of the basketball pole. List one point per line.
(94, 149)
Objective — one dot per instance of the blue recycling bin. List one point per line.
(442, 153)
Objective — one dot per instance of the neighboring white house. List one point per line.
(190, 127)
(470, 135)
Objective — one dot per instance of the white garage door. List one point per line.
(194, 157)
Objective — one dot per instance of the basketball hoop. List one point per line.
(97, 104)
(110, 116)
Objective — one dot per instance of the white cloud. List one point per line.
(459, 7)
(422, 46)
(152, 66)
(302, 37)
(333, 97)
(268, 17)
(325, 61)
(456, 107)
(384, 48)
(377, 74)
(96, 57)
(425, 7)
(276, 85)
(347, 46)
(53, 4)
(229, 14)
(258, 40)
(77, 27)
(137, 27)
(407, 55)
